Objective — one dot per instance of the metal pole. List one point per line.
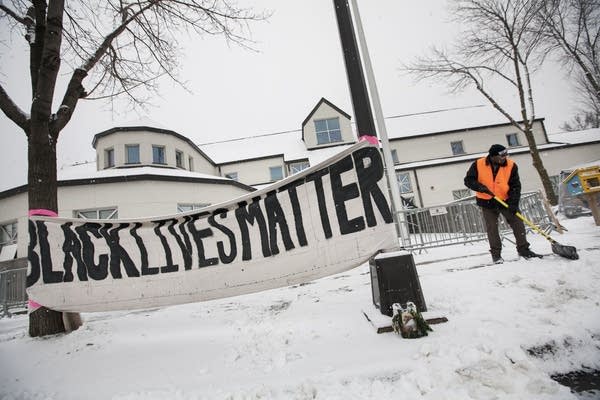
(382, 131)
(354, 72)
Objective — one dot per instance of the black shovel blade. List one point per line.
(569, 252)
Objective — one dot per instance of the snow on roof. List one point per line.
(88, 171)
(584, 136)
(289, 144)
(450, 119)
(143, 121)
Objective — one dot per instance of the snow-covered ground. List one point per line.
(313, 342)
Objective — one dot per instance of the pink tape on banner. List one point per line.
(370, 139)
(32, 306)
(42, 212)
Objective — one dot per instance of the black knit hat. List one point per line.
(496, 149)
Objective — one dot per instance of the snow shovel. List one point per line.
(569, 252)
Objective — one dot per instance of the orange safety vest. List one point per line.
(498, 186)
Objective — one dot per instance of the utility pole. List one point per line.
(360, 99)
(356, 79)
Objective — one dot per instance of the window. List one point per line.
(328, 131)
(191, 163)
(158, 154)
(276, 173)
(109, 158)
(296, 167)
(395, 156)
(8, 234)
(179, 158)
(98, 213)
(132, 152)
(190, 206)
(512, 139)
(461, 194)
(232, 175)
(404, 182)
(457, 147)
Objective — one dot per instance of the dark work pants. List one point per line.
(490, 217)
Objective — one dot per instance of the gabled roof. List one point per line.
(330, 104)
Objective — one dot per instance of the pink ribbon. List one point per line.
(370, 139)
(42, 212)
(31, 304)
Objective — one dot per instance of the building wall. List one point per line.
(325, 111)
(254, 172)
(437, 183)
(14, 208)
(145, 139)
(478, 140)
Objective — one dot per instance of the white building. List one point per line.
(145, 170)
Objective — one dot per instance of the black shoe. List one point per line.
(529, 254)
(497, 260)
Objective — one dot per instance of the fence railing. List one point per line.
(461, 222)
(12, 290)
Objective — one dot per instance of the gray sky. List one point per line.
(238, 93)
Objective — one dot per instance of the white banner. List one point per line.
(324, 220)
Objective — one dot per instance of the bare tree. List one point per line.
(118, 47)
(571, 28)
(497, 47)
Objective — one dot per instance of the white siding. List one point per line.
(478, 140)
(254, 172)
(118, 141)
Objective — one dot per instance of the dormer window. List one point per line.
(179, 158)
(328, 131)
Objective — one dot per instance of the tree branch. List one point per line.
(13, 112)
(12, 14)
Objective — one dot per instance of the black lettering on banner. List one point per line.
(343, 193)
(249, 214)
(143, 251)
(297, 211)
(316, 177)
(48, 275)
(98, 271)
(224, 257)
(276, 218)
(170, 267)
(34, 260)
(367, 181)
(72, 251)
(183, 241)
(118, 255)
(198, 236)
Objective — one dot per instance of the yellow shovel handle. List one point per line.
(522, 218)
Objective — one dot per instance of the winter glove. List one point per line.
(484, 189)
(513, 208)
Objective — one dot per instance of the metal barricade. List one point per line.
(460, 222)
(12, 290)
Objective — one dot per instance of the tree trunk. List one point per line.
(539, 166)
(43, 194)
